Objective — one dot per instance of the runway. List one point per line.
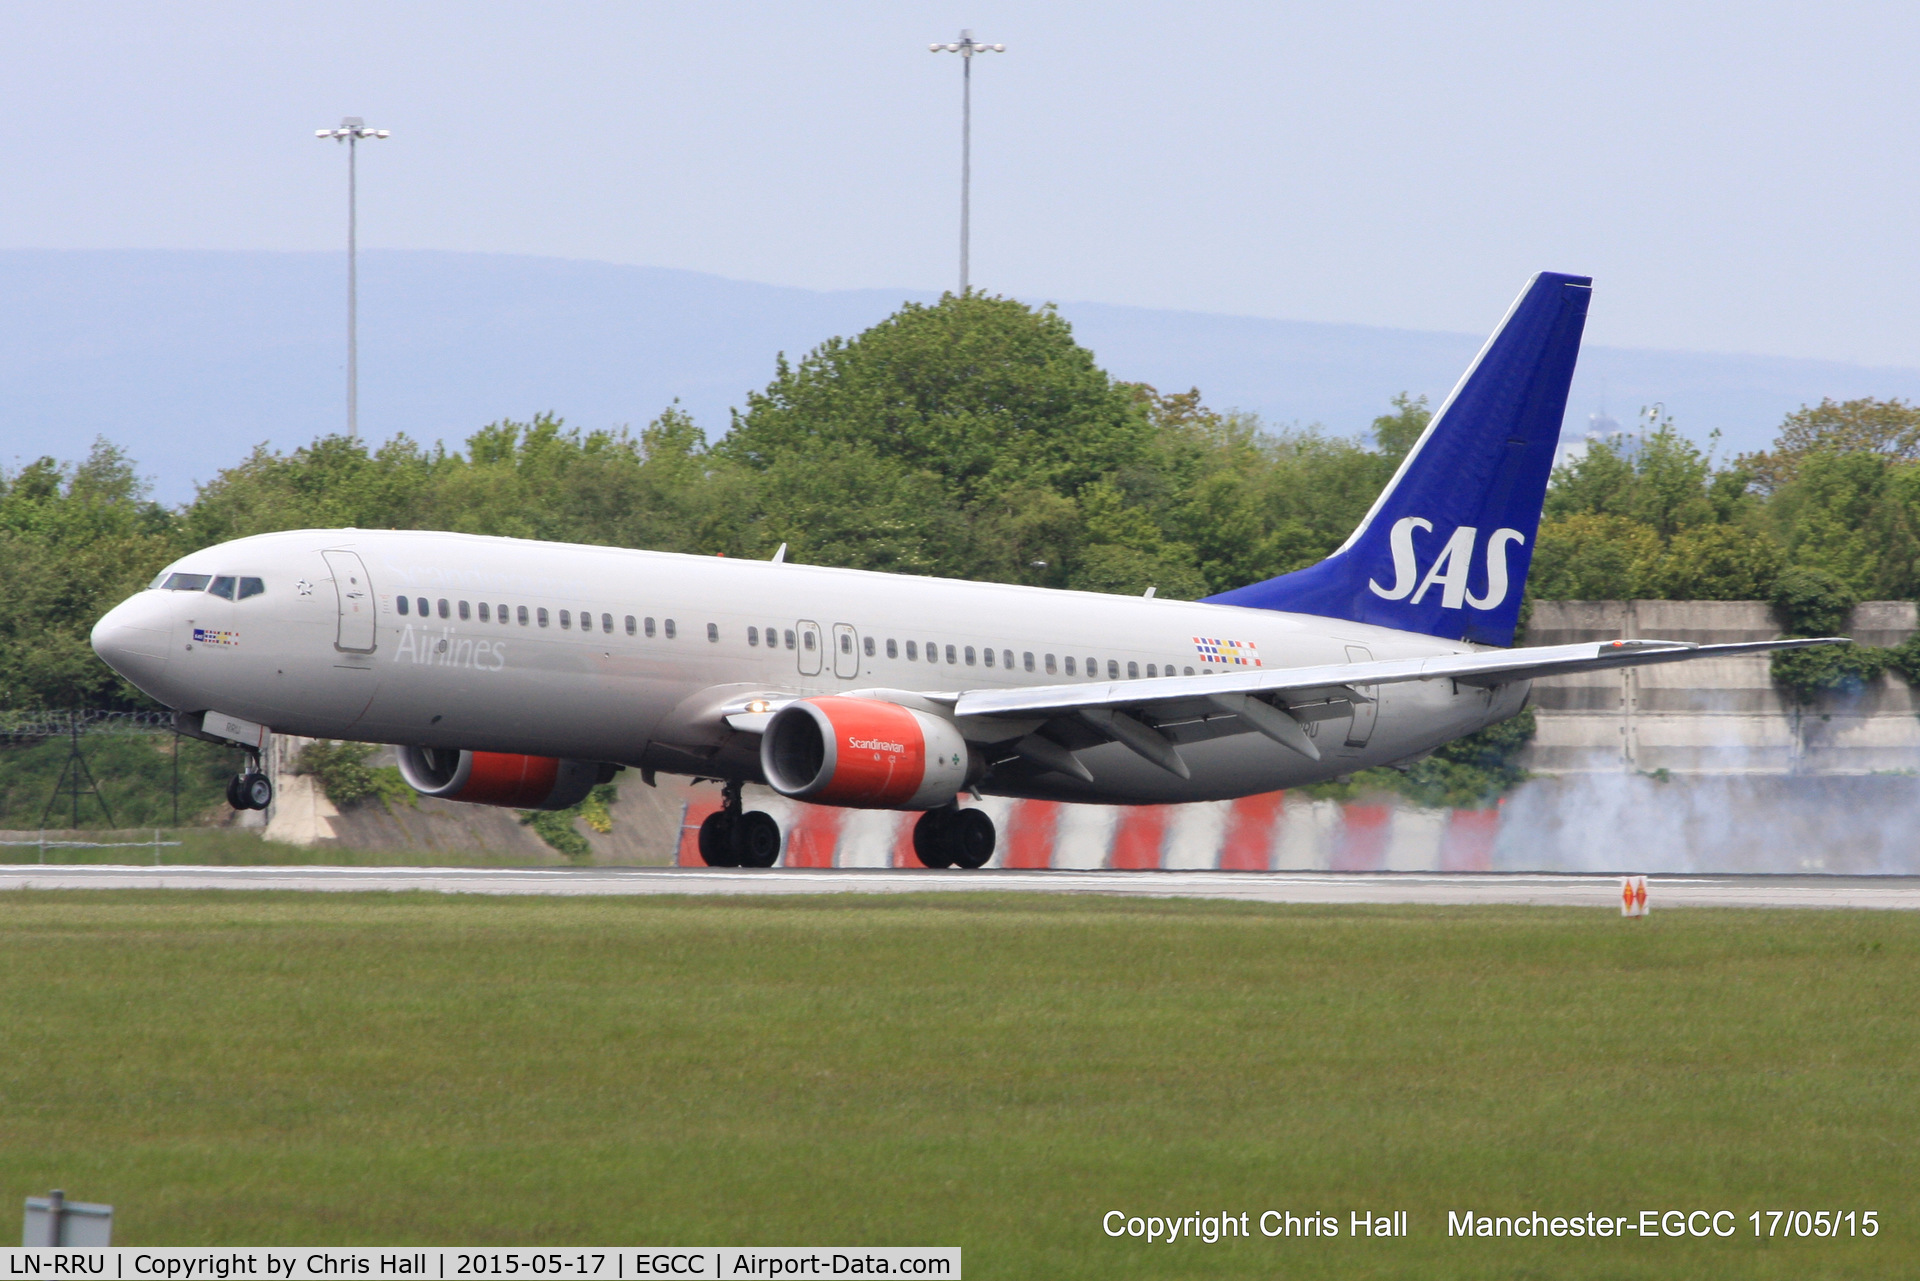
(1435, 889)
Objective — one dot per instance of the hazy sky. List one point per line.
(1738, 177)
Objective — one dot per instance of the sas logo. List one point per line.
(212, 636)
(1449, 569)
(1227, 653)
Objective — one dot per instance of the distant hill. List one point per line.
(189, 359)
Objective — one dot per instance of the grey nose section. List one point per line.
(133, 650)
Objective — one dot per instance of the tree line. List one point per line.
(975, 438)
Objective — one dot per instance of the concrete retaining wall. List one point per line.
(1719, 716)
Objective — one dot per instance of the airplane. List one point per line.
(519, 673)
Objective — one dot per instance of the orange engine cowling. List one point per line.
(497, 778)
(864, 753)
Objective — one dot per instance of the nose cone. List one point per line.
(132, 639)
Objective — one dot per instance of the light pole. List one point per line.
(351, 131)
(966, 47)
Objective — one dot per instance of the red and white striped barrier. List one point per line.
(1272, 832)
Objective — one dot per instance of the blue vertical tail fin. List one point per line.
(1446, 547)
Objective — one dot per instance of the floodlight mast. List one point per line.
(351, 131)
(966, 47)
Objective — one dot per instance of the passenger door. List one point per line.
(1360, 729)
(354, 592)
(846, 651)
(810, 647)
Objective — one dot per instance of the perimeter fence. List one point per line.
(106, 769)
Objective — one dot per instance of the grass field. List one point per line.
(989, 1072)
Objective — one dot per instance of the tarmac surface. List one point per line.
(1438, 889)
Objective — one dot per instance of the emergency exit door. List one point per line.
(810, 647)
(846, 651)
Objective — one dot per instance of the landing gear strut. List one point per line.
(953, 837)
(730, 838)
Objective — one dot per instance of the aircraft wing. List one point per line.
(1495, 667)
(1153, 717)
(1046, 724)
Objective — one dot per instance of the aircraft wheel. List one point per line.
(257, 791)
(756, 840)
(970, 837)
(234, 798)
(932, 841)
(716, 840)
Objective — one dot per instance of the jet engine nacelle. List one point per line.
(863, 753)
(497, 778)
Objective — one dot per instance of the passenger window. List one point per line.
(541, 613)
(223, 587)
(753, 636)
(521, 613)
(251, 587)
(969, 656)
(670, 629)
(1069, 664)
(606, 623)
(502, 611)
(933, 652)
(465, 612)
(846, 643)
(713, 631)
(809, 640)
(1187, 671)
(632, 626)
(1133, 671)
(986, 656)
(420, 604)
(188, 582)
(1049, 664)
(1093, 669)
(1152, 670)
(1113, 669)
(566, 620)
(893, 648)
(1026, 660)
(866, 643)
(1006, 659)
(444, 611)
(402, 604)
(789, 638)
(913, 651)
(951, 658)
(485, 617)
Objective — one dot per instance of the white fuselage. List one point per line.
(674, 636)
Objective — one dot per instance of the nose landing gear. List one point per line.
(953, 837)
(250, 791)
(730, 838)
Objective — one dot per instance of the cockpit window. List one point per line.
(223, 586)
(187, 582)
(251, 587)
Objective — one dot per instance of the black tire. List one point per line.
(971, 838)
(756, 840)
(257, 791)
(233, 793)
(716, 840)
(932, 844)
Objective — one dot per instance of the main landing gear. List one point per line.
(729, 838)
(953, 837)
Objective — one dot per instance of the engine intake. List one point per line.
(497, 778)
(863, 753)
